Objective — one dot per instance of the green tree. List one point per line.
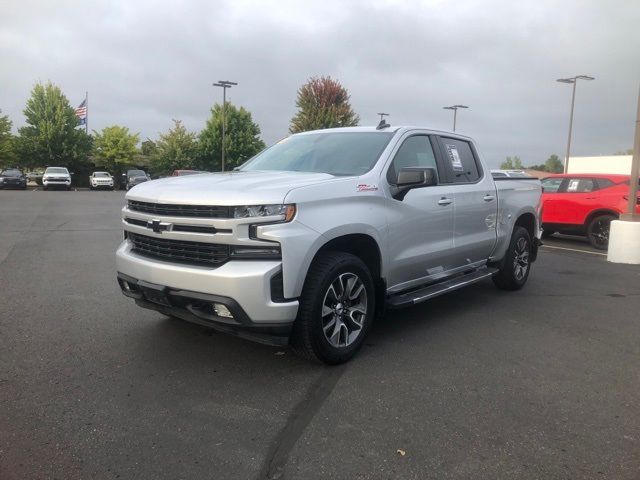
(554, 164)
(512, 164)
(115, 148)
(176, 149)
(50, 136)
(541, 168)
(242, 139)
(625, 152)
(322, 103)
(148, 148)
(7, 154)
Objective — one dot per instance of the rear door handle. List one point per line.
(489, 198)
(444, 201)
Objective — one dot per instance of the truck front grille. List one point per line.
(203, 211)
(179, 251)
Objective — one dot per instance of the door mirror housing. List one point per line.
(417, 177)
(413, 177)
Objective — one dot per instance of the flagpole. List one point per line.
(86, 118)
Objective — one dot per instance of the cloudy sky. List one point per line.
(145, 62)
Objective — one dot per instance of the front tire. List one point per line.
(337, 307)
(598, 231)
(515, 266)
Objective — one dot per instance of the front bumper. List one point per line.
(13, 184)
(56, 183)
(244, 286)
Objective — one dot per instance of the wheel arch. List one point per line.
(527, 220)
(361, 245)
(367, 249)
(599, 211)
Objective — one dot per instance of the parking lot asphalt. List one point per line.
(482, 384)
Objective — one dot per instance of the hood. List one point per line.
(57, 175)
(228, 188)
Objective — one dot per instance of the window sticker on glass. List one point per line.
(456, 163)
(573, 185)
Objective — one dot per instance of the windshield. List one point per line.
(56, 170)
(101, 174)
(11, 173)
(336, 153)
(136, 173)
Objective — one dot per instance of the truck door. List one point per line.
(475, 199)
(420, 225)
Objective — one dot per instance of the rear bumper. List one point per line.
(244, 287)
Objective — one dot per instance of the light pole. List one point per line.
(574, 81)
(224, 84)
(455, 113)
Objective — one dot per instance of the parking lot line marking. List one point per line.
(575, 250)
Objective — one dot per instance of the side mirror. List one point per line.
(414, 177)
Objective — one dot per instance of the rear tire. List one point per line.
(337, 307)
(515, 266)
(598, 231)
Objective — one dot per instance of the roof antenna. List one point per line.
(383, 123)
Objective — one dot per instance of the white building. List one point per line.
(605, 164)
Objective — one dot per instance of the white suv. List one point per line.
(101, 180)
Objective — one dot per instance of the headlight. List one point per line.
(287, 212)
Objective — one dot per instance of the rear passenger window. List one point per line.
(415, 151)
(581, 185)
(460, 157)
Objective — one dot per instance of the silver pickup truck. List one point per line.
(315, 236)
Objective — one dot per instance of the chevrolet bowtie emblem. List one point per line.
(157, 226)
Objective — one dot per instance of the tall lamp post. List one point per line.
(224, 84)
(574, 81)
(455, 113)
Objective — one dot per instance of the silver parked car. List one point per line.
(313, 237)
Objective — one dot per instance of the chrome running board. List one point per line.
(425, 293)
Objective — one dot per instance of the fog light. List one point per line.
(221, 310)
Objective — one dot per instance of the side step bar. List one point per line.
(416, 296)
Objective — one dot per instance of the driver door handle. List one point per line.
(489, 198)
(444, 201)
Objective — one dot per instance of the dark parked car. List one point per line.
(133, 178)
(13, 178)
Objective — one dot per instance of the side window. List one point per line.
(415, 151)
(604, 183)
(551, 185)
(581, 185)
(463, 165)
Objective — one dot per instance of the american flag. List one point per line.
(81, 112)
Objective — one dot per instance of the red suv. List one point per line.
(584, 204)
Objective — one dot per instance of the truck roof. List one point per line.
(391, 128)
